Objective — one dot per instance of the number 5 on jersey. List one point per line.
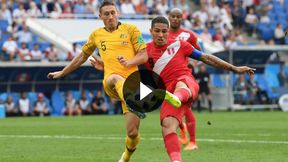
(103, 46)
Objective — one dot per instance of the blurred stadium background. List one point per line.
(41, 36)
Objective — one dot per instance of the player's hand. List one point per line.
(96, 63)
(123, 61)
(244, 69)
(55, 75)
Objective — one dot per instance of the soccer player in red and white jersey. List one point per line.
(169, 59)
(178, 33)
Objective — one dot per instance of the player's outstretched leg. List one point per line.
(133, 136)
(169, 97)
(183, 94)
(172, 99)
(191, 127)
(172, 145)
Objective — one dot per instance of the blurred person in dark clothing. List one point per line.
(255, 93)
(203, 78)
(98, 104)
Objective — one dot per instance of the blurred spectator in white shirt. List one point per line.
(10, 107)
(70, 106)
(84, 104)
(231, 41)
(213, 11)
(40, 106)
(279, 34)
(74, 52)
(36, 54)
(127, 7)
(13, 29)
(202, 14)
(206, 36)
(24, 52)
(162, 7)
(51, 53)
(43, 7)
(225, 30)
(20, 13)
(24, 104)
(265, 19)
(90, 7)
(251, 20)
(9, 48)
(5, 13)
(197, 24)
(183, 5)
(24, 35)
(34, 11)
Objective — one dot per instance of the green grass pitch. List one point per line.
(231, 137)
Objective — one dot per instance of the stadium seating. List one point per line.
(3, 25)
(57, 100)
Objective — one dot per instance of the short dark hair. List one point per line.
(159, 19)
(106, 3)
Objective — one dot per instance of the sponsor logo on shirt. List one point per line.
(140, 39)
(123, 36)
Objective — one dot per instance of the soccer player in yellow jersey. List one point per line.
(122, 48)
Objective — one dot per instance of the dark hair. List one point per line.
(159, 19)
(106, 3)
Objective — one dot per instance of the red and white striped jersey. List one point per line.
(185, 35)
(169, 61)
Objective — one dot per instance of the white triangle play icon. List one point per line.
(144, 91)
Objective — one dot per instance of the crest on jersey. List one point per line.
(140, 39)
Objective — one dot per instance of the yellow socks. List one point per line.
(131, 144)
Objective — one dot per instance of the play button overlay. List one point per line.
(144, 91)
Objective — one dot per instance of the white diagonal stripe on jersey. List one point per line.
(166, 57)
(183, 36)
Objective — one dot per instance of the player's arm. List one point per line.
(194, 41)
(141, 57)
(87, 50)
(219, 63)
(74, 64)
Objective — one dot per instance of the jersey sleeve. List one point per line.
(90, 45)
(193, 40)
(136, 38)
(190, 51)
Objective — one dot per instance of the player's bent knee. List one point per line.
(169, 125)
(113, 78)
(132, 133)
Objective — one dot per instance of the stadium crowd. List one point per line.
(37, 104)
(227, 23)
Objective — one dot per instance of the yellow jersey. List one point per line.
(125, 41)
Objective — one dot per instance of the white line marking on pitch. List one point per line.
(149, 139)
